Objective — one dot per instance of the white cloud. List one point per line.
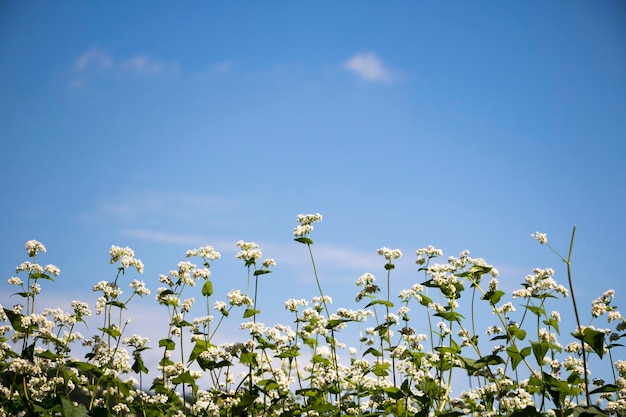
(93, 58)
(220, 245)
(97, 60)
(369, 67)
(220, 68)
(142, 64)
(166, 205)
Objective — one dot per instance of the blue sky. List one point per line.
(465, 125)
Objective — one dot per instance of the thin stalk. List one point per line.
(568, 262)
(332, 331)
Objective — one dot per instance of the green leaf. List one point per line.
(381, 369)
(16, 320)
(248, 358)
(490, 360)
(450, 315)
(250, 312)
(168, 344)
(184, 378)
(605, 388)
(201, 346)
(288, 353)
(48, 355)
(117, 304)
(383, 302)
(373, 352)
(269, 384)
(207, 288)
(536, 310)
(517, 356)
(552, 323)
(587, 411)
(261, 272)
(110, 331)
(529, 411)
(493, 296)
(389, 266)
(138, 366)
(304, 240)
(593, 338)
(71, 410)
(336, 322)
(394, 392)
(539, 349)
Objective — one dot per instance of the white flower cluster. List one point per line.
(139, 288)
(32, 247)
(236, 298)
(205, 252)
(249, 251)
(126, 257)
(540, 237)
(389, 254)
(293, 304)
(306, 224)
(540, 282)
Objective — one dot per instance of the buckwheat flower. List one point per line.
(493, 284)
(421, 260)
(506, 308)
(301, 231)
(365, 279)
(493, 330)
(81, 308)
(293, 304)
(139, 288)
(614, 315)
(497, 349)
(250, 251)
(317, 300)
(219, 305)
(437, 307)
(430, 251)
(556, 316)
(237, 299)
(29, 267)
(598, 309)
(15, 281)
(202, 273)
(540, 237)
(389, 254)
(32, 247)
(305, 219)
(269, 262)
(52, 270)
(186, 307)
(35, 288)
(205, 252)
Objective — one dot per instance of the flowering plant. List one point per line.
(524, 364)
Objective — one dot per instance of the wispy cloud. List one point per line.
(220, 68)
(369, 68)
(142, 64)
(190, 240)
(96, 60)
(166, 205)
(286, 254)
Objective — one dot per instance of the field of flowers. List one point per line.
(524, 364)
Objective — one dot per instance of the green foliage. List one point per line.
(520, 370)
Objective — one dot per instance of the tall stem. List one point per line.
(579, 329)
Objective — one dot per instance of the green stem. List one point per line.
(568, 262)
